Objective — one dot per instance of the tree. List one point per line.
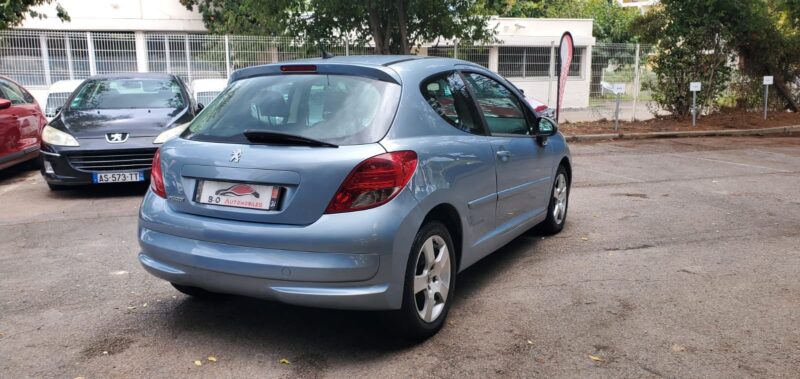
(12, 13)
(394, 26)
(701, 39)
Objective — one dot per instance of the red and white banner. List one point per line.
(565, 51)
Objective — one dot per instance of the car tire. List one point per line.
(428, 289)
(559, 202)
(195, 292)
(56, 187)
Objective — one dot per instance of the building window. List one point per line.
(533, 62)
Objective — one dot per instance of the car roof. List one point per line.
(376, 66)
(65, 85)
(133, 75)
(202, 85)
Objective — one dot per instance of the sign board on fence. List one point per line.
(619, 88)
(695, 86)
(767, 80)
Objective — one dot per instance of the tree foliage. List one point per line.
(612, 23)
(703, 40)
(393, 25)
(13, 12)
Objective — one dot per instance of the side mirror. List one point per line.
(58, 110)
(200, 107)
(5, 104)
(547, 127)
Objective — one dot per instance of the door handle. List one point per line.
(503, 155)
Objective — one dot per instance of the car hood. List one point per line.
(97, 123)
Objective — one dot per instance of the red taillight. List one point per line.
(299, 68)
(540, 108)
(374, 182)
(157, 176)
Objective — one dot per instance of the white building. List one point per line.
(106, 36)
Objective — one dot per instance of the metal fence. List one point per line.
(38, 59)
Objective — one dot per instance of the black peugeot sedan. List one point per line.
(110, 128)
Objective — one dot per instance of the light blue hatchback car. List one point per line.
(361, 182)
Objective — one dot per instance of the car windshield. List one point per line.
(338, 109)
(128, 93)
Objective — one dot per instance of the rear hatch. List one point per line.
(276, 148)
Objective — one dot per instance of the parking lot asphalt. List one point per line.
(680, 258)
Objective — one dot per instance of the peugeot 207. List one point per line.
(109, 128)
(354, 183)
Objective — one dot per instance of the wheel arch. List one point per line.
(448, 215)
(567, 166)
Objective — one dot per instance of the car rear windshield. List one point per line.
(129, 93)
(338, 109)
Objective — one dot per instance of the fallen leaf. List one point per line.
(144, 305)
(105, 353)
(678, 348)
(584, 238)
(198, 363)
(284, 361)
(595, 358)
(131, 308)
(530, 342)
(212, 358)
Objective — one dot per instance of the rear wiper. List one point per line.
(273, 138)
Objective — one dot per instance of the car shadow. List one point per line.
(101, 191)
(18, 173)
(253, 322)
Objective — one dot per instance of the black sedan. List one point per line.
(111, 126)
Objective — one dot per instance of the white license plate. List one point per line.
(240, 195)
(117, 177)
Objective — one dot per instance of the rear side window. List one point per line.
(448, 96)
(128, 94)
(339, 109)
(13, 93)
(501, 108)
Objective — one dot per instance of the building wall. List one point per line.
(119, 15)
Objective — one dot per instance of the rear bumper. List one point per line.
(347, 261)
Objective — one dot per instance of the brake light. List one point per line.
(374, 182)
(157, 176)
(299, 68)
(540, 108)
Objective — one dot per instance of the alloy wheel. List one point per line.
(560, 198)
(432, 278)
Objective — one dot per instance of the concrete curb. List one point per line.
(691, 133)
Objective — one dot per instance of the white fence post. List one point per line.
(636, 83)
(140, 43)
(90, 53)
(346, 47)
(551, 73)
(188, 58)
(68, 53)
(45, 59)
(166, 54)
(494, 59)
(455, 49)
(227, 58)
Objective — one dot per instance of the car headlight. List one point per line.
(53, 136)
(170, 133)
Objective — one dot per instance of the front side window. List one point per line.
(128, 94)
(338, 109)
(501, 108)
(448, 96)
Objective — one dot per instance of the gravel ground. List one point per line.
(681, 258)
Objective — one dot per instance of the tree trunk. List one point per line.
(402, 26)
(784, 93)
(375, 26)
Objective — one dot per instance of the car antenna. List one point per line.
(327, 55)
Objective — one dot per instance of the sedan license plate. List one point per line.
(117, 177)
(240, 195)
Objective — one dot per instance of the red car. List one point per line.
(21, 123)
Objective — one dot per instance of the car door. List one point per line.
(522, 170)
(24, 113)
